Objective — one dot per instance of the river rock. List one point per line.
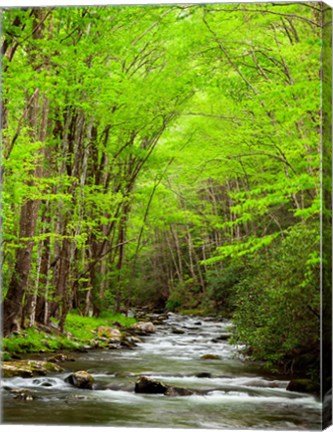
(60, 358)
(127, 343)
(144, 328)
(146, 385)
(176, 330)
(203, 375)
(80, 379)
(130, 341)
(178, 391)
(222, 337)
(112, 334)
(149, 386)
(210, 357)
(158, 319)
(28, 368)
(114, 346)
(23, 394)
(303, 385)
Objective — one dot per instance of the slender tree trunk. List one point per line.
(12, 306)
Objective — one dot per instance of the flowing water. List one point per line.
(236, 396)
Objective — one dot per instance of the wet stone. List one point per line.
(176, 330)
(203, 375)
(146, 385)
(80, 379)
(23, 394)
(178, 391)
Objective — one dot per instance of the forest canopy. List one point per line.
(165, 156)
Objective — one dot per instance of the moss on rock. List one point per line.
(28, 368)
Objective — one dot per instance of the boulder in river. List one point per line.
(144, 328)
(28, 368)
(176, 330)
(303, 385)
(80, 379)
(203, 375)
(147, 385)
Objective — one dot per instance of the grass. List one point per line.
(79, 329)
(82, 327)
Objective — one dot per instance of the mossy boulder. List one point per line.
(303, 385)
(28, 368)
(80, 379)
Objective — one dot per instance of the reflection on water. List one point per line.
(236, 395)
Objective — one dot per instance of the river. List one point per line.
(239, 395)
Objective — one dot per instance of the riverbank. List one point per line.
(80, 333)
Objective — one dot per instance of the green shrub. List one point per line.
(278, 301)
(221, 282)
(172, 305)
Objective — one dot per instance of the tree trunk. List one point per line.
(12, 306)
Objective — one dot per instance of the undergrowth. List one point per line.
(79, 331)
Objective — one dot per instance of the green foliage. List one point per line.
(81, 330)
(278, 301)
(32, 341)
(185, 295)
(173, 304)
(221, 285)
(169, 157)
